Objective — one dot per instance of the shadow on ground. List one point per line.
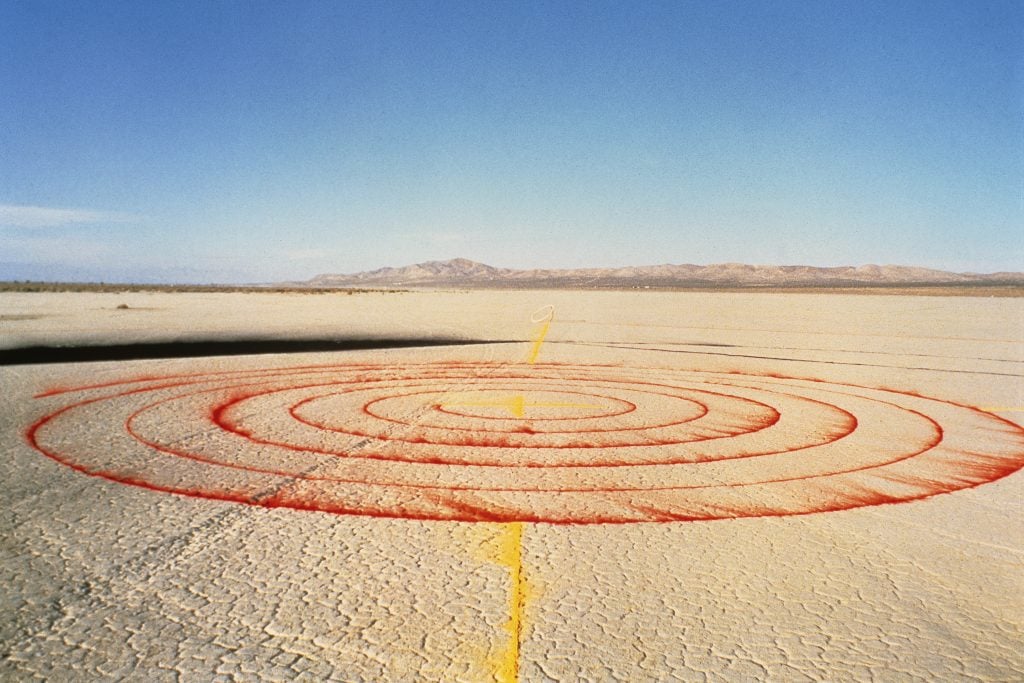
(33, 355)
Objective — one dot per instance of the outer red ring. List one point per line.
(978, 468)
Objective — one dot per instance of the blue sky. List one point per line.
(239, 142)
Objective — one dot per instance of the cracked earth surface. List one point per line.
(106, 579)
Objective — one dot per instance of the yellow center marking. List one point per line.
(510, 548)
(535, 351)
(545, 315)
(511, 555)
(518, 404)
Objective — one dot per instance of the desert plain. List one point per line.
(602, 486)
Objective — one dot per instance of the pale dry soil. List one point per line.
(105, 581)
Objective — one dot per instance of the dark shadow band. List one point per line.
(31, 355)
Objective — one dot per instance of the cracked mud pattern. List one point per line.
(579, 444)
(504, 567)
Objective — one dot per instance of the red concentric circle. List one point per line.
(546, 443)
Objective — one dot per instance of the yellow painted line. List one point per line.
(511, 555)
(535, 351)
(544, 314)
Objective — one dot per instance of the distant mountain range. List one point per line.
(462, 272)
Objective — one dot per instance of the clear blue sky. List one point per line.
(234, 141)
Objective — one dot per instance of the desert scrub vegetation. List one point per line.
(118, 288)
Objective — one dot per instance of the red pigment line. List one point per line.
(365, 482)
(186, 454)
(702, 408)
(852, 418)
(286, 445)
(233, 497)
(506, 443)
(226, 424)
(850, 426)
(994, 467)
(366, 409)
(630, 408)
(295, 408)
(367, 455)
(31, 434)
(447, 365)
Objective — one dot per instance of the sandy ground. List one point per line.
(766, 435)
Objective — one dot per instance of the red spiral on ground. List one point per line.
(572, 444)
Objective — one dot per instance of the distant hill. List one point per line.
(462, 272)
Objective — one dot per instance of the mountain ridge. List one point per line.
(467, 273)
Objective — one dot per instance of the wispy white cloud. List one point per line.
(22, 216)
